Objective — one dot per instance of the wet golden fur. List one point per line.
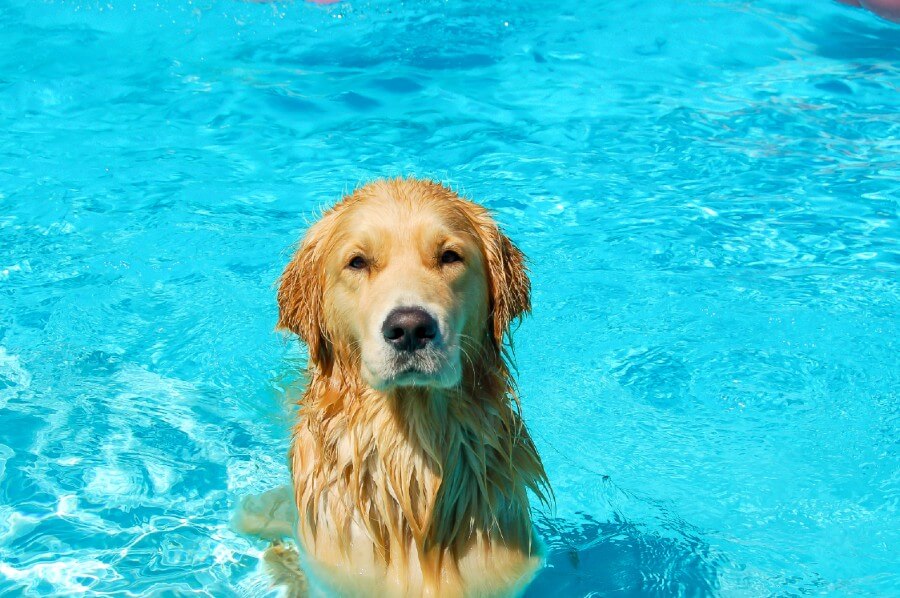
(420, 488)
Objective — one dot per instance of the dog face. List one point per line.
(405, 281)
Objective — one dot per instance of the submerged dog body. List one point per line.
(410, 463)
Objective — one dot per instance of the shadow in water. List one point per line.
(851, 39)
(617, 558)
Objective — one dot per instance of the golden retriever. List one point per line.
(410, 463)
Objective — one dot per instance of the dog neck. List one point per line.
(417, 466)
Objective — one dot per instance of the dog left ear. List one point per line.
(510, 288)
(300, 299)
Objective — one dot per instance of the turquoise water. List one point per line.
(707, 190)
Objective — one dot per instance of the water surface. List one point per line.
(707, 191)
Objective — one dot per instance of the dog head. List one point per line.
(407, 282)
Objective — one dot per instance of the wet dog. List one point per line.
(411, 466)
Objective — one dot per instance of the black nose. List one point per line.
(409, 328)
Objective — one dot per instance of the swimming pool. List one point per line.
(707, 191)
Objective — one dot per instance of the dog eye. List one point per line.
(358, 262)
(450, 257)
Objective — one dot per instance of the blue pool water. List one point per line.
(707, 190)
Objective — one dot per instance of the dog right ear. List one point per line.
(300, 296)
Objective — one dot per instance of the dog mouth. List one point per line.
(423, 368)
(432, 367)
(411, 377)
